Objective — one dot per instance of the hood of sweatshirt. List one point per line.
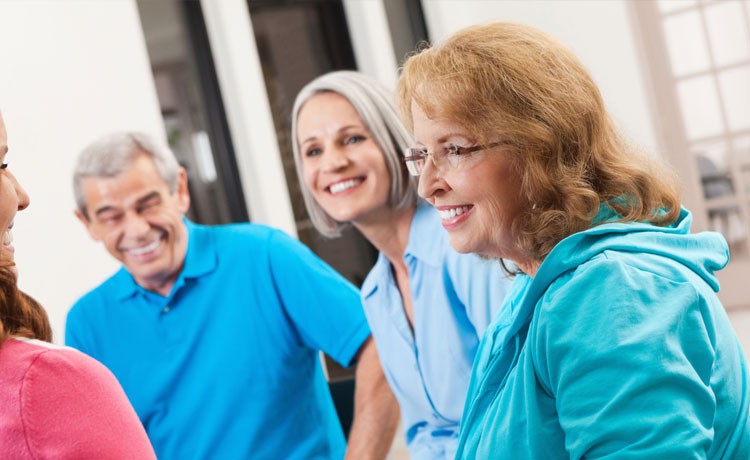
(703, 253)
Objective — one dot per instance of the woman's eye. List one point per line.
(355, 139)
(312, 152)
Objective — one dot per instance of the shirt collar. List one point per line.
(427, 236)
(200, 259)
(426, 241)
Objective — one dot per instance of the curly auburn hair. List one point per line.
(510, 81)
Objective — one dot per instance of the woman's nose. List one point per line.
(334, 159)
(429, 182)
(23, 197)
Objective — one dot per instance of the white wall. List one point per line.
(70, 71)
(599, 33)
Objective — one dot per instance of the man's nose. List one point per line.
(136, 225)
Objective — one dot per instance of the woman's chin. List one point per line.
(460, 244)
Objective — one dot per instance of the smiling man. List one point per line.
(214, 331)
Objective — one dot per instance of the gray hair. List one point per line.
(113, 154)
(375, 105)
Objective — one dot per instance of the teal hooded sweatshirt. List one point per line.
(619, 348)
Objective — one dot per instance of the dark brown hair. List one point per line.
(20, 314)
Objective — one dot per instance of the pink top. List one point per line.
(57, 403)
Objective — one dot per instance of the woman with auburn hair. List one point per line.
(619, 346)
(57, 403)
(427, 305)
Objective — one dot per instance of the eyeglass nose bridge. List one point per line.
(416, 159)
(431, 156)
(439, 161)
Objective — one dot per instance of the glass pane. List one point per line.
(741, 158)
(727, 33)
(667, 6)
(737, 224)
(712, 155)
(713, 169)
(183, 103)
(686, 43)
(729, 222)
(725, 214)
(700, 107)
(735, 94)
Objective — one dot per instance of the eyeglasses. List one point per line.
(449, 157)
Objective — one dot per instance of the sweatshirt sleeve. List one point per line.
(73, 407)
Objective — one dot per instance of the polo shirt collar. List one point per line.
(200, 259)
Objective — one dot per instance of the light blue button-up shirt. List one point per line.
(455, 296)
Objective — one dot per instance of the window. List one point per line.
(698, 59)
(192, 109)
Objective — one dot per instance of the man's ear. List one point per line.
(183, 194)
(87, 223)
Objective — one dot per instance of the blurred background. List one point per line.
(217, 78)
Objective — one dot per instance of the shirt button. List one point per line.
(165, 309)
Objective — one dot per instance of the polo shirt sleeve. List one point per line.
(73, 408)
(324, 307)
(628, 366)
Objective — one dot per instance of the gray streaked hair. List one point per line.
(113, 154)
(375, 106)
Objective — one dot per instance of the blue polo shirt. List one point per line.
(454, 297)
(227, 365)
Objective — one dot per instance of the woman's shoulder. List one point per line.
(620, 293)
(47, 361)
(65, 394)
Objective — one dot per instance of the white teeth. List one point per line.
(8, 238)
(447, 214)
(145, 249)
(345, 185)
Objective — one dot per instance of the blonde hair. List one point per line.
(517, 83)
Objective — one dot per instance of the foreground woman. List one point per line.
(620, 347)
(55, 402)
